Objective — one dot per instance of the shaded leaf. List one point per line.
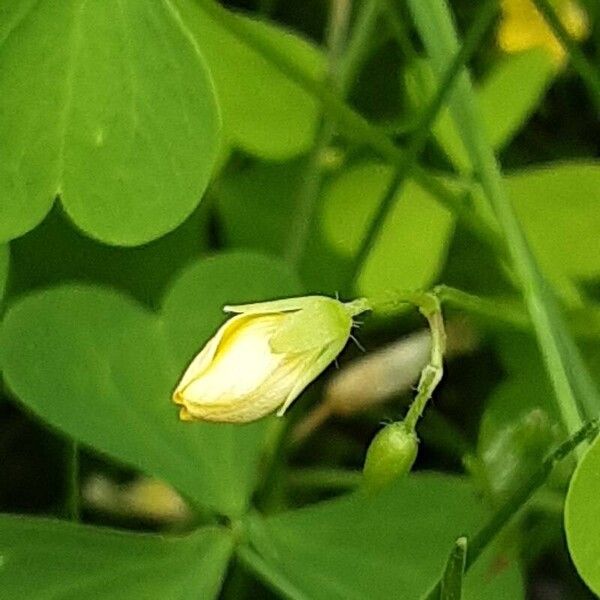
(264, 112)
(95, 364)
(55, 252)
(394, 545)
(41, 559)
(257, 205)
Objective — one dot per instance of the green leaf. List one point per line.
(95, 364)
(411, 248)
(108, 105)
(393, 545)
(55, 252)
(264, 112)
(511, 92)
(4, 260)
(581, 517)
(562, 199)
(41, 559)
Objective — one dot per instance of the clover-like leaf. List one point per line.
(393, 545)
(97, 365)
(108, 105)
(264, 112)
(581, 517)
(41, 558)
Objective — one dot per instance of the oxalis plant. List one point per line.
(276, 323)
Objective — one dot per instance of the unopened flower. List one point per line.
(260, 360)
(523, 27)
(390, 456)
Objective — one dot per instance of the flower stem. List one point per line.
(310, 187)
(429, 306)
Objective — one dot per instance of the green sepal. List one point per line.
(320, 322)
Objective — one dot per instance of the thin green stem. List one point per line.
(510, 312)
(584, 322)
(416, 145)
(572, 383)
(429, 306)
(359, 44)
(338, 68)
(351, 123)
(588, 73)
(433, 372)
(486, 535)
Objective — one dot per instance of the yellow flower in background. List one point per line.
(260, 360)
(523, 27)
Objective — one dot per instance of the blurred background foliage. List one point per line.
(110, 289)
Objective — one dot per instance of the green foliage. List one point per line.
(121, 118)
(43, 558)
(572, 384)
(507, 97)
(162, 160)
(416, 232)
(581, 517)
(100, 367)
(256, 205)
(393, 545)
(511, 92)
(4, 264)
(565, 194)
(264, 112)
(55, 252)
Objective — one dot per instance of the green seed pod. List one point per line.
(391, 455)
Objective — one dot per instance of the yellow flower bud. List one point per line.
(261, 359)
